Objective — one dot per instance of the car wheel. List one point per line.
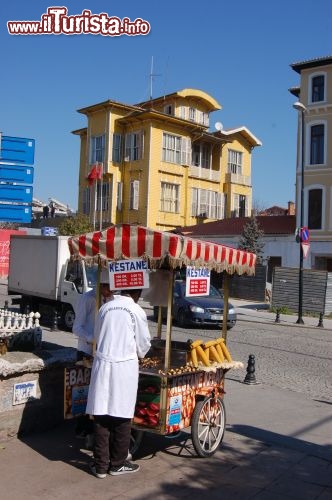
(67, 318)
(181, 318)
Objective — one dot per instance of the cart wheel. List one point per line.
(135, 440)
(208, 426)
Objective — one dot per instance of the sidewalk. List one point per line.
(277, 445)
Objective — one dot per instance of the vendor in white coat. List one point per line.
(83, 328)
(122, 336)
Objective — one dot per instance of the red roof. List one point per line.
(278, 224)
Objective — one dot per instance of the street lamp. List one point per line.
(301, 110)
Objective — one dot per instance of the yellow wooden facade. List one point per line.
(162, 167)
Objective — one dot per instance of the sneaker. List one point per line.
(125, 468)
(100, 475)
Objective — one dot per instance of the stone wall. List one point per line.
(43, 372)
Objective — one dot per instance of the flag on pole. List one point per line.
(95, 173)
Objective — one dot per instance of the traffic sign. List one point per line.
(305, 249)
(18, 150)
(15, 213)
(12, 193)
(304, 235)
(16, 173)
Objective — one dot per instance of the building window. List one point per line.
(103, 196)
(201, 155)
(317, 144)
(97, 149)
(86, 201)
(116, 148)
(315, 198)
(119, 196)
(240, 206)
(170, 201)
(176, 149)
(192, 114)
(182, 112)
(134, 195)
(168, 109)
(207, 204)
(134, 146)
(318, 88)
(204, 118)
(235, 161)
(171, 148)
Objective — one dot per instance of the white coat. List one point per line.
(122, 336)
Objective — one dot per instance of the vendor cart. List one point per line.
(181, 384)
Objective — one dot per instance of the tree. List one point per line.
(250, 239)
(77, 224)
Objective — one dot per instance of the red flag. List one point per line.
(95, 173)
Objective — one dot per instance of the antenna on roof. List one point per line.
(152, 75)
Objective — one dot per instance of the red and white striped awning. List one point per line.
(126, 241)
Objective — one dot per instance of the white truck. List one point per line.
(44, 277)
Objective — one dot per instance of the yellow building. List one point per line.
(314, 157)
(161, 167)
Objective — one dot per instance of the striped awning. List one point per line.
(126, 241)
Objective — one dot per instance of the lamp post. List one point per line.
(301, 110)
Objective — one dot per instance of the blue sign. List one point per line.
(305, 235)
(15, 213)
(17, 150)
(12, 193)
(16, 173)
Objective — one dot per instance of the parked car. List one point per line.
(198, 310)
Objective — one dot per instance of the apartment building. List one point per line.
(314, 144)
(160, 165)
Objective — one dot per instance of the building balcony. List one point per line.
(204, 173)
(244, 180)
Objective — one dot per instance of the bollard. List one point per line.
(320, 322)
(277, 320)
(250, 377)
(54, 326)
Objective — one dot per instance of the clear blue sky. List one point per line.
(238, 52)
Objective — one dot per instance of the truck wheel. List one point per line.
(67, 318)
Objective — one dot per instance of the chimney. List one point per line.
(291, 208)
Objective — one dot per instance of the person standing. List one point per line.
(83, 328)
(122, 336)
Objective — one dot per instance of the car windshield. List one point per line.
(213, 292)
(91, 276)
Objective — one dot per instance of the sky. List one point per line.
(238, 52)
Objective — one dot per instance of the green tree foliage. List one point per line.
(77, 224)
(250, 239)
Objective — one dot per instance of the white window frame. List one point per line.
(170, 197)
(134, 195)
(119, 197)
(192, 114)
(105, 186)
(171, 148)
(311, 77)
(97, 149)
(117, 148)
(134, 146)
(207, 203)
(235, 162)
(183, 112)
(169, 109)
